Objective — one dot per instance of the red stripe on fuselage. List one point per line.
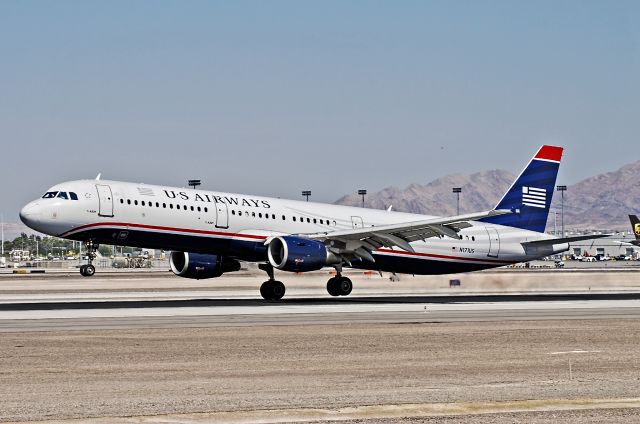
(162, 228)
(435, 255)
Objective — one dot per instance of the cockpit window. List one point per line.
(50, 195)
(63, 195)
(73, 195)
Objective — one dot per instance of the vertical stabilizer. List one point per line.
(530, 195)
(635, 226)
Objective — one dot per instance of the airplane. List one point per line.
(635, 225)
(209, 232)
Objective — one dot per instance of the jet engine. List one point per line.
(200, 266)
(297, 254)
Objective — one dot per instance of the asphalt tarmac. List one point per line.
(156, 348)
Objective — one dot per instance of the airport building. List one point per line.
(617, 246)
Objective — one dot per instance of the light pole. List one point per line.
(362, 193)
(306, 193)
(2, 222)
(562, 189)
(457, 191)
(194, 183)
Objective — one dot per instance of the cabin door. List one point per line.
(494, 242)
(105, 200)
(222, 215)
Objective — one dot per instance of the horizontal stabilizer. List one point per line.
(561, 240)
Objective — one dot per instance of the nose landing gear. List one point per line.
(89, 270)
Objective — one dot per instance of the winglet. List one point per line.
(98, 176)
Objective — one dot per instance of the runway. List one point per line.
(43, 316)
(164, 349)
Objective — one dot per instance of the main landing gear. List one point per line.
(88, 270)
(339, 285)
(271, 289)
(274, 290)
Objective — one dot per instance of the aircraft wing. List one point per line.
(360, 242)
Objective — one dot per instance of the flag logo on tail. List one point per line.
(636, 229)
(536, 197)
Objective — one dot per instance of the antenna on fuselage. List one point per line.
(98, 176)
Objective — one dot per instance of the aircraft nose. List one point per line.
(31, 214)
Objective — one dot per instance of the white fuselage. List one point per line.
(236, 225)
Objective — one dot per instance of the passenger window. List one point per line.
(192, 208)
(233, 212)
(198, 208)
(283, 217)
(253, 214)
(309, 220)
(73, 195)
(273, 216)
(314, 221)
(294, 219)
(164, 205)
(143, 204)
(63, 195)
(473, 238)
(239, 213)
(128, 201)
(121, 200)
(135, 202)
(259, 215)
(206, 209)
(170, 205)
(50, 195)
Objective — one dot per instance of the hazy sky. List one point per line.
(272, 97)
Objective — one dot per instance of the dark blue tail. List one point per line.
(530, 195)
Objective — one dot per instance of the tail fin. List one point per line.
(635, 224)
(530, 195)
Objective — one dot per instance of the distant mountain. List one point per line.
(603, 201)
(600, 202)
(480, 191)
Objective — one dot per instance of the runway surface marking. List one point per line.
(392, 411)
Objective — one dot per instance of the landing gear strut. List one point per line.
(339, 285)
(88, 270)
(271, 289)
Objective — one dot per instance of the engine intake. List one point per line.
(200, 266)
(297, 254)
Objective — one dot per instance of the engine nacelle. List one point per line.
(297, 254)
(199, 266)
